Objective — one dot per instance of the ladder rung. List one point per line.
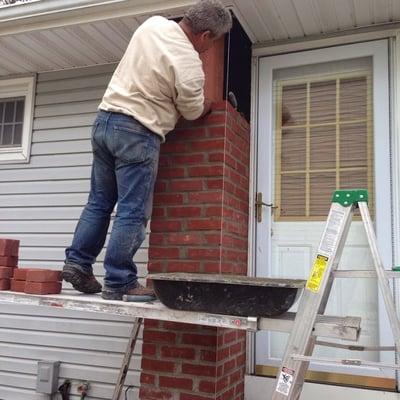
(353, 347)
(346, 328)
(364, 274)
(351, 362)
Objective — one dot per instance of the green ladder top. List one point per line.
(348, 197)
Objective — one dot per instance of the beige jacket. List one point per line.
(159, 78)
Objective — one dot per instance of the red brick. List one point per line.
(208, 355)
(204, 224)
(4, 284)
(168, 199)
(17, 286)
(186, 185)
(43, 275)
(163, 252)
(200, 340)
(185, 238)
(204, 254)
(157, 365)
(198, 370)
(6, 272)
(183, 159)
(159, 336)
(8, 261)
(9, 247)
(207, 387)
(168, 173)
(215, 170)
(207, 145)
(187, 353)
(20, 273)
(177, 383)
(176, 212)
(205, 197)
(43, 287)
(179, 326)
(147, 379)
(146, 393)
(185, 396)
(149, 349)
(165, 226)
(183, 266)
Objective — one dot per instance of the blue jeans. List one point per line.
(124, 170)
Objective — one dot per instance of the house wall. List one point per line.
(40, 203)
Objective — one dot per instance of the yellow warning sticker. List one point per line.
(317, 273)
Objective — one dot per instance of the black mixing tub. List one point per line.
(227, 294)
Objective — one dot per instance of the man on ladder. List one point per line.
(159, 79)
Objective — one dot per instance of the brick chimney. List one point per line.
(199, 224)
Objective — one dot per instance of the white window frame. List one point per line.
(19, 87)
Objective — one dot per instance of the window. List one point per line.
(323, 140)
(16, 109)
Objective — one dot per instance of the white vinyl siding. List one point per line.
(40, 204)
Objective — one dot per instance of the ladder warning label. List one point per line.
(331, 234)
(317, 273)
(285, 381)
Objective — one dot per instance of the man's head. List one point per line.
(205, 22)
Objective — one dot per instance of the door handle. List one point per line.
(260, 204)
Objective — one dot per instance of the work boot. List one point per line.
(138, 291)
(81, 281)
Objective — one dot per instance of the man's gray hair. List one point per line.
(208, 15)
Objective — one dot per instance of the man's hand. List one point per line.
(207, 107)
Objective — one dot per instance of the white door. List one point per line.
(323, 124)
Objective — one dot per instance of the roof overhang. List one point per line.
(48, 14)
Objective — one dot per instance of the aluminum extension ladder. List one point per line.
(300, 345)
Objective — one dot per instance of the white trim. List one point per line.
(19, 87)
(251, 265)
(336, 39)
(395, 120)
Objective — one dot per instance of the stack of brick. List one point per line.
(36, 281)
(18, 280)
(33, 281)
(8, 261)
(43, 281)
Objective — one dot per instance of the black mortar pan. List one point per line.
(227, 294)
